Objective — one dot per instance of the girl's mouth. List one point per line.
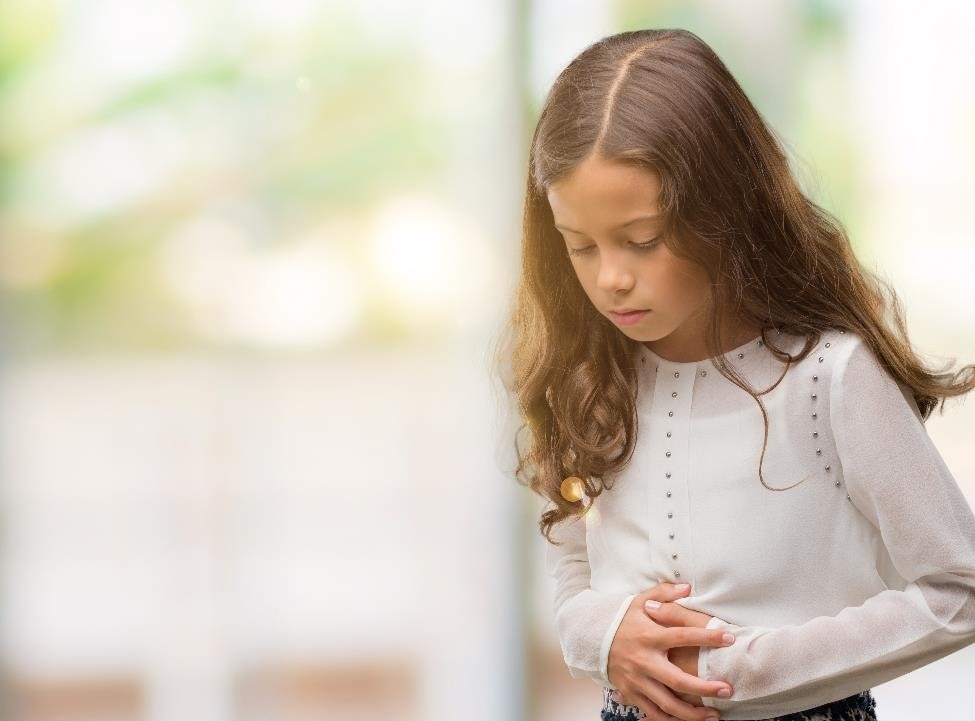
(628, 318)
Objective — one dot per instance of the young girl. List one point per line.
(718, 394)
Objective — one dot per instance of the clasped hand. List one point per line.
(654, 657)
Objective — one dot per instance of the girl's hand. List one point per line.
(684, 657)
(642, 672)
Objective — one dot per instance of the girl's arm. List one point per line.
(897, 479)
(586, 620)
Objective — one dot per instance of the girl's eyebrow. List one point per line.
(631, 221)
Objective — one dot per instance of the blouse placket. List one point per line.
(668, 498)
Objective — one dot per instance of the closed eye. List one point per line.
(646, 245)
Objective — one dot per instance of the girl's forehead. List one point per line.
(604, 195)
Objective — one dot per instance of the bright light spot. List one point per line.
(300, 295)
(435, 263)
(120, 42)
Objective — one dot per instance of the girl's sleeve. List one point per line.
(585, 620)
(897, 479)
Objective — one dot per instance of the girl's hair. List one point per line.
(661, 99)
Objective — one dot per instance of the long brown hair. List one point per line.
(661, 99)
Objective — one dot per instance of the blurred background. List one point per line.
(254, 256)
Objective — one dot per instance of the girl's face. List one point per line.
(605, 213)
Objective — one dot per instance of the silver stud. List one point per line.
(667, 473)
(778, 332)
(674, 394)
(819, 451)
(827, 468)
(671, 535)
(760, 343)
(670, 515)
(741, 355)
(815, 434)
(668, 494)
(815, 378)
(827, 345)
(677, 574)
(842, 331)
(837, 484)
(668, 434)
(813, 415)
(814, 396)
(676, 374)
(820, 359)
(667, 454)
(670, 413)
(848, 495)
(673, 555)
(703, 373)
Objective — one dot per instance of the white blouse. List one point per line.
(862, 572)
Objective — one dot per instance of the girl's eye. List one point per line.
(581, 251)
(647, 245)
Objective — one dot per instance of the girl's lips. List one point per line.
(628, 318)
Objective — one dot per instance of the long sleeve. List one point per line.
(585, 620)
(897, 479)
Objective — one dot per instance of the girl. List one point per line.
(715, 395)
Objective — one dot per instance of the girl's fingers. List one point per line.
(672, 614)
(670, 704)
(667, 592)
(677, 680)
(673, 676)
(694, 636)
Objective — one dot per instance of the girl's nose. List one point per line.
(613, 276)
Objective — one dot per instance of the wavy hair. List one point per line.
(661, 99)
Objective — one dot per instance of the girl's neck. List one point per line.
(687, 345)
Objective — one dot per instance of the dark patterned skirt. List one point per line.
(858, 707)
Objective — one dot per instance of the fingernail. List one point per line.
(652, 604)
(682, 586)
(724, 693)
(728, 638)
(711, 718)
